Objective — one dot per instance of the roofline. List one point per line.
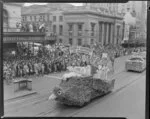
(89, 12)
(16, 4)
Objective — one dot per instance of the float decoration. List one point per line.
(82, 84)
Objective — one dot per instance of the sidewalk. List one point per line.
(40, 85)
(44, 84)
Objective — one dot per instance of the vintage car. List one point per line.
(136, 63)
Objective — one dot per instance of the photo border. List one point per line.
(71, 1)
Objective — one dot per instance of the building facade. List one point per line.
(86, 26)
(138, 11)
(11, 16)
(79, 25)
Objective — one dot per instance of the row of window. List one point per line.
(60, 29)
(42, 18)
(70, 30)
(80, 27)
(81, 33)
(55, 18)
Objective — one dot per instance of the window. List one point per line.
(60, 40)
(54, 18)
(60, 29)
(79, 42)
(34, 18)
(23, 19)
(54, 28)
(92, 29)
(30, 18)
(43, 18)
(5, 18)
(48, 17)
(80, 27)
(70, 41)
(92, 26)
(40, 18)
(70, 27)
(92, 41)
(60, 18)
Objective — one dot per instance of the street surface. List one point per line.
(126, 100)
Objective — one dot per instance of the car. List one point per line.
(135, 63)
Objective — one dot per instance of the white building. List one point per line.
(11, 16)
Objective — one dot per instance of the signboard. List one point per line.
(13, 37)
(21, 39)
(50, 36)
(83, 50)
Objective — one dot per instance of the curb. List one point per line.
(20, 96)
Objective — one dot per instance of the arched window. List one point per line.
(5, 18)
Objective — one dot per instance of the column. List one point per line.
(102, 34)
(111, 34)
(107, 32)
(115, 34)
(75, 33)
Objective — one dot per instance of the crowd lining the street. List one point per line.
(45, 62)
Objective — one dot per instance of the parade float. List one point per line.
(84, 83)
(136, 63)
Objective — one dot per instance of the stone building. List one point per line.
(86, 26)
(78, 25)
(51, 15)
(138, 11)
(11, 16)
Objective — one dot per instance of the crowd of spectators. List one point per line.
(55, 58)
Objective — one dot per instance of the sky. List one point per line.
(28, 4)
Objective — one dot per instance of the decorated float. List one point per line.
(86, 82)
(136, 63)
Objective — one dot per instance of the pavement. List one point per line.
(125, 100)
(40, 85)
(43, 84)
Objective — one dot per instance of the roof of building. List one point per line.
(50, 7)
(90, 11)
(15, 4)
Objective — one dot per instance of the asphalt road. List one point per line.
(126, 100)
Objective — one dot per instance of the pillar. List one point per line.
(102, 34)
(107, 32)
(111, 33)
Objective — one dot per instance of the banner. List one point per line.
(83, 50)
